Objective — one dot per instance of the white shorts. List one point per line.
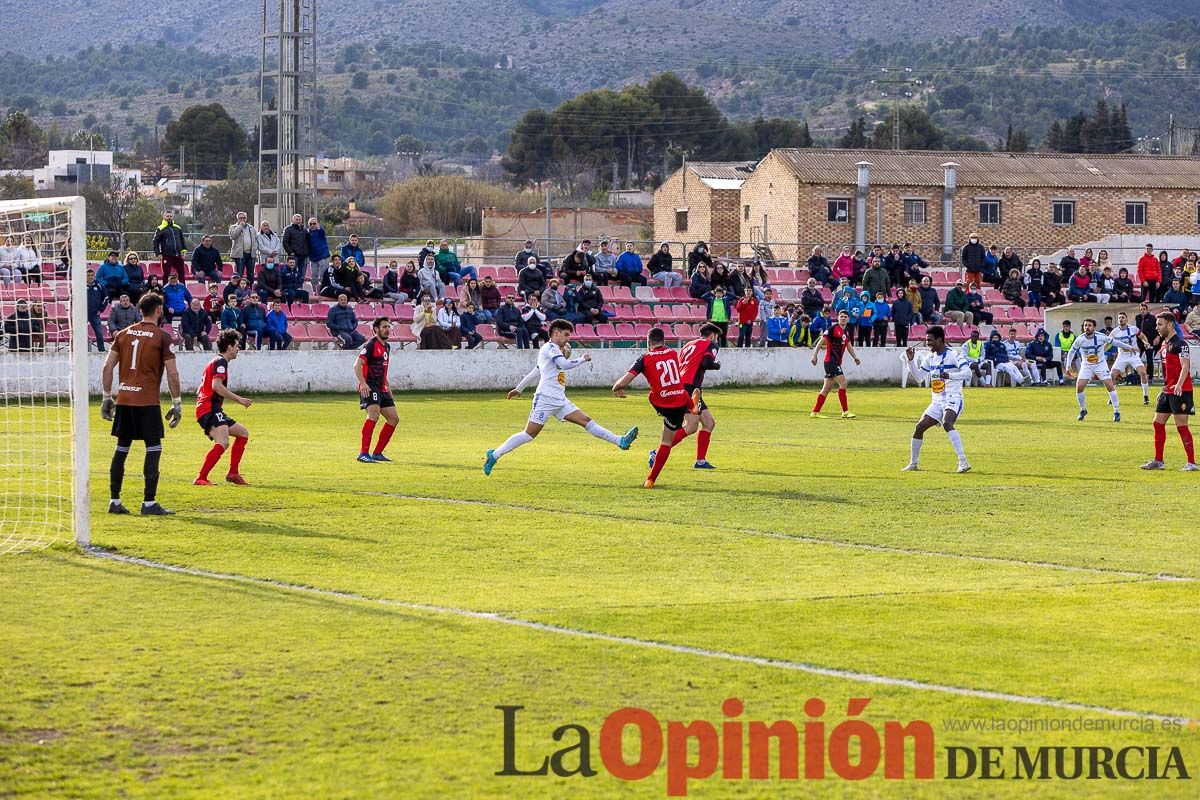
(1127, 360)
(543, 411)
(938, 408)
(1098, 371)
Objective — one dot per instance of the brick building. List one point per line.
(702, 202)
(1036, 202)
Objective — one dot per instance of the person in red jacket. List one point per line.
(1149, 275)
(747, 313)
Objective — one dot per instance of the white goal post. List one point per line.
(44, 448)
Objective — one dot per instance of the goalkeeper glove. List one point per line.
(176, 412)
(107, 408)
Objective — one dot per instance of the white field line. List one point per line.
(794, 666)
(798, 537)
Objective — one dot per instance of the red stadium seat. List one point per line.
(488, 272)
(605, 331)
(680, 295)
(664, 313)
(624, 330)
(640, 331)
(506, 274)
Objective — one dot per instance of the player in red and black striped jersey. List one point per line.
(374, 395)
(211, 417)
(1176, 396)
(696, 358)
(660, 365)
(836, 342)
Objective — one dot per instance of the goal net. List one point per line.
(43, 373)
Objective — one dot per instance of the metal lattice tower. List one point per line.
(287, 100)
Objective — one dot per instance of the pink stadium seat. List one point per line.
(488, 272)
(226, 270)
(62, 290)
(624, 330)
(779, 276)
(685, 331)
(640, 331)
(916, 334)
(663, 313)
(615, 294)
(801, 276)
(404, 313)
(644, 294)
(488, 332)
(680, 295)
(607, 331)
(662, 295)
(991, 296)
(506, 274)
(153, 268)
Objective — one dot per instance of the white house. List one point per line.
(69, 169)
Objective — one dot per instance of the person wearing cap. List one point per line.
(974, 259)
(957, 308)
(449, 320)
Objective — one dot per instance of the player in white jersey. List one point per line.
(1091, 346)
(550, 400)
(1016, 357)
(1130, 359)
(947, 370)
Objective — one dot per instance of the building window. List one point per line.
(1063, 212)
(1135, 213)
(989, 212)
(746, 213)
(914, 212)
(837, 210)
(680, 220)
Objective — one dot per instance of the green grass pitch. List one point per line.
(1045, 573)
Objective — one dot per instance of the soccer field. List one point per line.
(321, 649)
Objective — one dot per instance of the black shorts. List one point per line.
(375, 397)
(832, 369)
(140, 423)
(672, 417)
(700, 404)
(1175, 404)
(214, 419)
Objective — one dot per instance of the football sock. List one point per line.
(842, 399)
(595, 429)
(1185, 436)
(512, 443)
(235, 453)
(1146, 391)
(915, 447)
(1082, 398)
(385, 436)
(660, 460)
(820, 402)
(702, 444)
(680, 435)
(1160, 440)
(956, 443)
(368, 429)
(210, 460)
(116, 471)
(1116, 403)
(150, 470)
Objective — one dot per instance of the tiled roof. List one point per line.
(719, 174)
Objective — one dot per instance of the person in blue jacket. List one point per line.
(879, 321)
(277, 334)
(97, 301)
(779, 326)
(630, 268)
(1040, 355)
(865, 321)
(176, 298)
(112, 275)
(318, 253)
(844, 300)
(351, 250)
(822, 322)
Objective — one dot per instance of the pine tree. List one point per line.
(1054, 137)
(856, 135)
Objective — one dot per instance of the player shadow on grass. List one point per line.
(273, 529)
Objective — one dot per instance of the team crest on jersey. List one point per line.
(937, 385)
(562, 378)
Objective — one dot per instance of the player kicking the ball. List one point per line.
(374, 394)
(550, 399)
(1175, 399)
(946, 370)
(1091, 347)
(836, 342)
(660, 365)
(1129, 358)
(210, 414)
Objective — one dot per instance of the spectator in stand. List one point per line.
(170, 244)
(509, 324)
(450, 323)
(1039, 354)
(865, 322)
(390, 286)
(589, 303)
(295, 244)
(214, 302)
(759, 280)
(448, 266)
(1195, 288)
(266, 243)
(1079, 287)
(720, 276)
(276, 331)
(1122, 287)
(893, 264)
(8, 263)
(1192, 321)
(879, 321)
(431, 281)
(843, 267)
(254, 317)
(242, 244)
(914, 265)
(930, 302)
(554, 302)
(1033, 283)
(739, 280)
(342, 324)
(811, 299)
(24, 328)
(1013, 288)
(111, 276)
(489, 294)
(973, 258)
(231, 318)
(534, 318)
(1009, 261)
(913, 294)
(289, 279)
(876, 279)
(206, 261)
(777, 328)
(467, 326)
(858, 267)
(430, 249)
(238, 288)
(176, 299)
(1177, 299)
(1087, 260)
(329, 286)
(425, 327)
(574, 267)
(531, 280)
(978, 308)
(766, 310)
(902, 318)
(135, 277)
(269, 285)
(995, 351)
(154, 285)
(1167, 271)
(1103, 261)
(661, 267)
(1069, 264)
(698, 256)
(364, 289)
(957, 307)
(991, 267)
(351, 250)
(1105, 283)
(97, 301)
(29, 262)
(526, 253)
(699, 284)
(122, 315)
(605, 269)
(719, 311)
(819, 269)
(195, 325)
(629, 267)
(470, 293)
(1052, 288)
(801, 333)
(410, 284)
(318, 252)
